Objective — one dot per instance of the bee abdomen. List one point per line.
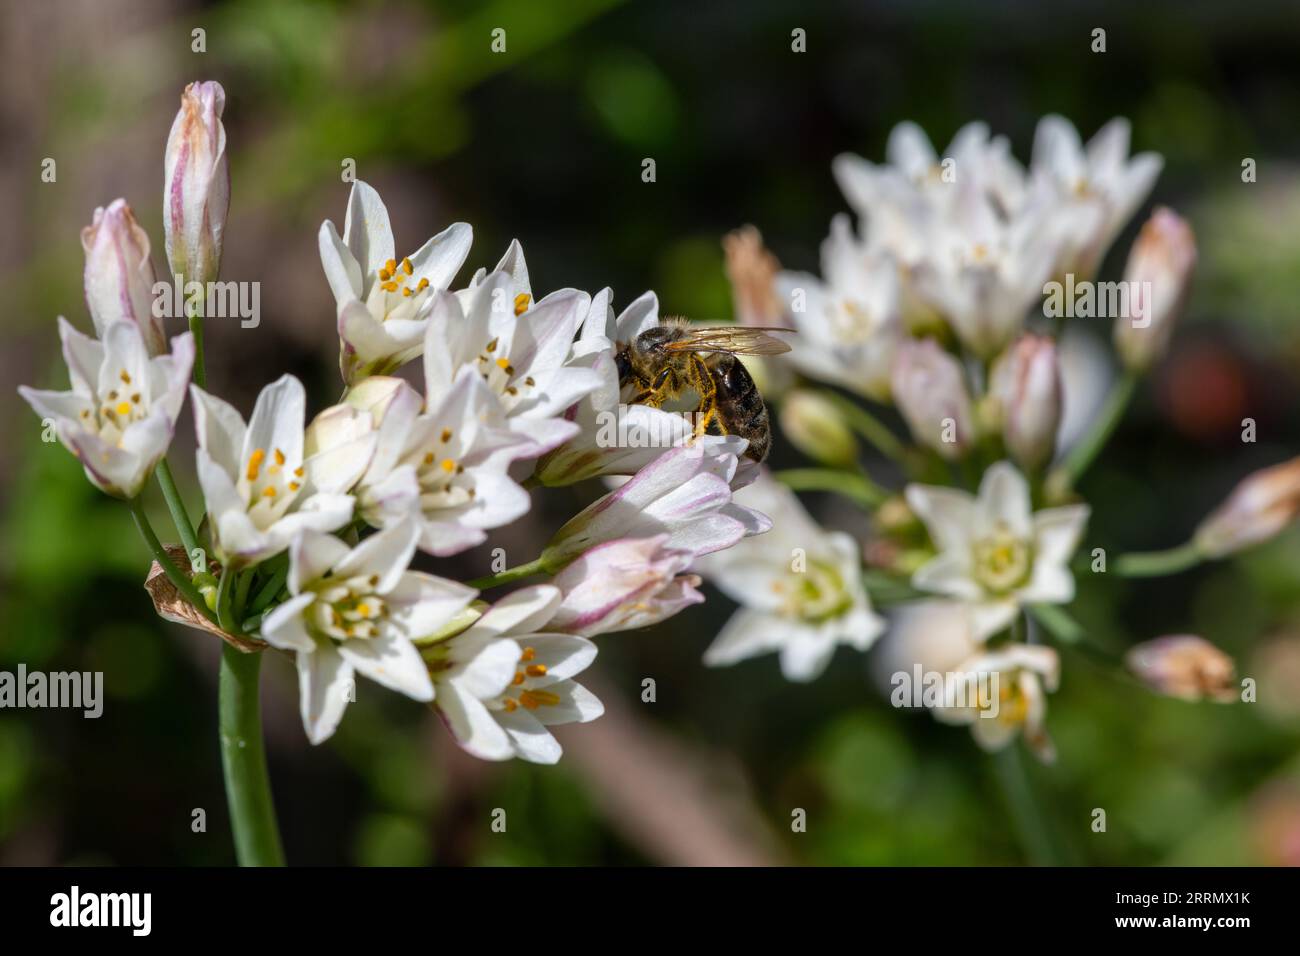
(741, 407)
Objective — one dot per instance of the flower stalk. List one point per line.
(243, 761)
(1154, 564)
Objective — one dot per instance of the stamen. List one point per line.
(268, 491)
(126, 377)
(535, 670)
(407, 267)
(255, 463)
(530, 653)
(448, 465)
(532, 699)
(279, 457)
(521, 303)
(124, 408)
(446, 435)
(518, 678)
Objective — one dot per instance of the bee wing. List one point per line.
(741, 339)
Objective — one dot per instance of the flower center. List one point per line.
(441, 476)
(347, 609)
(396, 292)
(269, 486)
(1002, 561)
(814, 594)
(520, 693)
(119, 407)
(499, 373)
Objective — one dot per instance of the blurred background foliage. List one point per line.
(545, 142)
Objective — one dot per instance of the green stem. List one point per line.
(243, 760)
(859, 488)
(224, 585)
(510, 574)
(174, 574)
(1057, 622)
(241, 593)
(1026, 809)
(1081, 455)
(196, 328)
(1151, 564)
(266, 594)
(868, 426)
(176, 505)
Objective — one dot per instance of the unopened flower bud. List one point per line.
(1184, 666)
(1160, 271)
(1026, 389)
(816, 427)
(1259, 507)
(196, 188)
(930, 391)
(119, 275)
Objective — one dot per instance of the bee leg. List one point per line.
(653, 396)
(704, 384)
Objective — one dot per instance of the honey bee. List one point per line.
(666, 360)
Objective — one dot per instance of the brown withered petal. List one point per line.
(1184, 666)
(171, 606)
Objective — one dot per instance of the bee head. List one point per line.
(655, 338)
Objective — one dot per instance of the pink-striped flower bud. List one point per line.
(196, 189)
(1160, 271)
(930, 391)
(1026, 388)
(119, 275)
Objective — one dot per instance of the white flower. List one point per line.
(196, 187)
(684, 493)
(120, 415)
(503, 682)
(998, 692)
(445, 468)
(614, 438)
(930, 391)
(383, 303)
(850, 321)
(357, 611)
(623, 585)
(993, 552)
(1025, 387)
(799, 586)
(259, 489)
(1097, 188)
(983, 270)
(522, 357)
(119, 275)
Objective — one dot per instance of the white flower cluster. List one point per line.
(513, 388)
(934, 304)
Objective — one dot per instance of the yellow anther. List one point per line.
(521, 303)
(125, 376)
(363, 609)
(294, 486)
(390, 286)
(448, 465)
(391, 266)
(298, 472)
(428, 458)
(279, 457)
(406, 292)
(424, 284)
(446, 435)
(510, 705)
(384, 274)
(503, 364)
(255, 463)
(492, 346)
(268, 491)
(532, 699)
(123, 408)
(530, 653)
(518, 678)
(407, 267)
(535, 670)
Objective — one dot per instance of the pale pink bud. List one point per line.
(1259, 507)
(930, 391)
(1026, 387)
(196, 187)
(119, 275)
(1160, 265)
(1184, 666)
(624, 584)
